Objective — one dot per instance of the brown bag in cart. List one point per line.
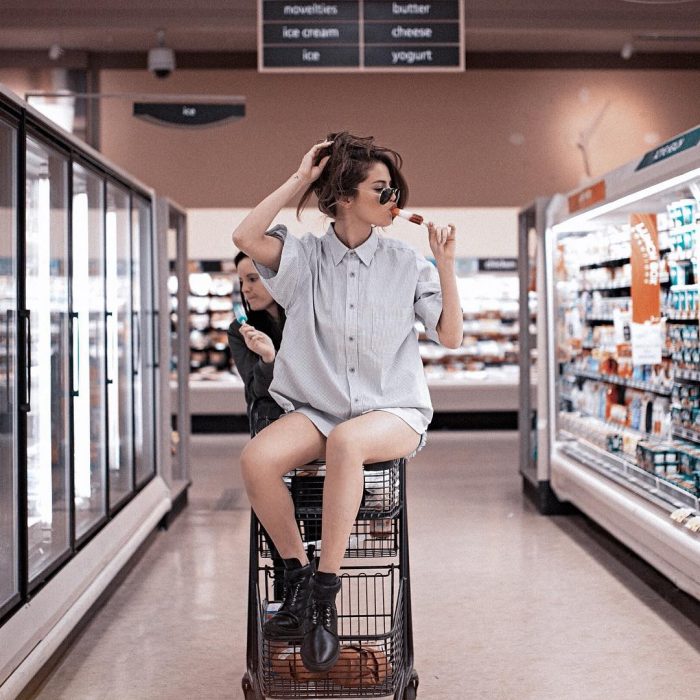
(359, 666)
(286, 661)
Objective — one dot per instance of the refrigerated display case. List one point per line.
(9, 423)
(533, 433)
(623, 355)
(80, 483)
(45, 332)
(89, 329)
(173, 341)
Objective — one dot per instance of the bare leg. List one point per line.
(372, 437)
(289, 442)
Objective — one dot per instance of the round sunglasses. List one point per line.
(385, 194)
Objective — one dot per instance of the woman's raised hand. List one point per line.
(309, 170)
(442, 242)
(258, 342)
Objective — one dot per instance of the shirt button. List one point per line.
(352, 274)
(352, 306)
(352, 369)
(357, 400)
(351, 339)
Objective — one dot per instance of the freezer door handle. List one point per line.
(75, 333)
(110, 338)
(136, 324)
(26, 405)
(8, 366)
(156, 338)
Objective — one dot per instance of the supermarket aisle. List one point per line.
(507, 604)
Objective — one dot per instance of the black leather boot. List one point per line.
(288, 622)
(320, 648)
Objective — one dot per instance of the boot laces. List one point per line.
(322, 612)
(291, 593)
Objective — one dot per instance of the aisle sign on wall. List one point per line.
(360, 35)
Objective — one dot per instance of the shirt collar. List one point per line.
(339, 250)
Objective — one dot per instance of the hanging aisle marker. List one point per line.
(645, 290)
(360, 36)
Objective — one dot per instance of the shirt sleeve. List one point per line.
(256, 374)
(293, 265)
(428, 298)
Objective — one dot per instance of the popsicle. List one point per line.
(405, 214)
(239, 312)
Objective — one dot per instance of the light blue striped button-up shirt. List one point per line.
(349, 343)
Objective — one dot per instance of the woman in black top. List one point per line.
(254, 344)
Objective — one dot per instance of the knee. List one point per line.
(256, 465)
(342, 446)
(248, 462)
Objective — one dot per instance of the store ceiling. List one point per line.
(226, 25)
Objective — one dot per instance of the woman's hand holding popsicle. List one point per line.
(442, 243)
(258, 342)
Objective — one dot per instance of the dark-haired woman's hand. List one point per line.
(258, 342)
(442, 243)
(309, 170)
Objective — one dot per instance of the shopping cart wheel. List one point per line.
(248, 690)
(411, 690)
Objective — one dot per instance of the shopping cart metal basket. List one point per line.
(374, 604)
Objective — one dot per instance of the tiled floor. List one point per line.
(507, 603)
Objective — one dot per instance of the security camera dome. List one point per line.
(161, 61)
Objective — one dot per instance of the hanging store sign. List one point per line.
(189, 114)
(587, 197)
(671, 148)
(360, 35)
(646, 283)
(645, 290)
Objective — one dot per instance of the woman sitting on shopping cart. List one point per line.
(348, 373)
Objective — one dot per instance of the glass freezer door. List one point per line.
(120, 399)
(9, 580)
(527, 261)
(143, 324)
(179, 341)
(89, 380)
(47, 339)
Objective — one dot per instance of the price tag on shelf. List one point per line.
(646, 343)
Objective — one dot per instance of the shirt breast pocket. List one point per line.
(390, 326)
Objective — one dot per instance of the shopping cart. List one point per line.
(374, 603)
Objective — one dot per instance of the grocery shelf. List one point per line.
(612, 262)
(686, 434)
(636, 519)
(612, 379)
(622, 470)
(647, 220)
(689, 375)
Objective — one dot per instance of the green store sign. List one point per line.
(671, 148)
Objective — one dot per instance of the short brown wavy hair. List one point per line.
(350, 159)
